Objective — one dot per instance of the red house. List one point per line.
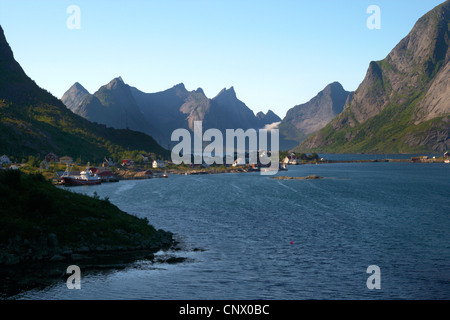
(127, 162)
(93, 170)
(105, 174)
(51, 157)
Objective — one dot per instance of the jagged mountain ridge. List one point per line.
(162, 112)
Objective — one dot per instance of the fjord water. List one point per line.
(286, 239)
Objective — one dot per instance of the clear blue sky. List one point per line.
(276, 54)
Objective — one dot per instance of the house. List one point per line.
(158, 164)
(127, 162)
(292, 159)
(4, 160)
(93, 170)
(51, 157)
(66, 160)
(239, 162)
(107, 176)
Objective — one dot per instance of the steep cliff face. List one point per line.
(403, 103)
(319, 111)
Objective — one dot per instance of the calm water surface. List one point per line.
(393, 215)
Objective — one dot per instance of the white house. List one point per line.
(158, 164)
(4, 160)
(239, 162)
(292, 159)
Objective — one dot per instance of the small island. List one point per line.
(311, 177)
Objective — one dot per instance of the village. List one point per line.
(55, 168)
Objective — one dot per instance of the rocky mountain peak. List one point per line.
(75, 96)
(115, 83)
(227, 93)
(200, 90)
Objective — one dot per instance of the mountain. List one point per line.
(113, 105)
(268, 118)
(179, 108)
(228, 112)
(171, 109)
(32, 121)
(305, 119)
(403, 103)
(74, 97)
(159, 114)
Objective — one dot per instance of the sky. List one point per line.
(276, 54)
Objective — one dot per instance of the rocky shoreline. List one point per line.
(47, 248)
(48, 264)
(140, 174)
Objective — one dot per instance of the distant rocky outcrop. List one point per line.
(307, 118)
(311, 177)
(267, 118)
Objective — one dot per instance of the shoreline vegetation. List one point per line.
(140, 170)
(43, 223)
